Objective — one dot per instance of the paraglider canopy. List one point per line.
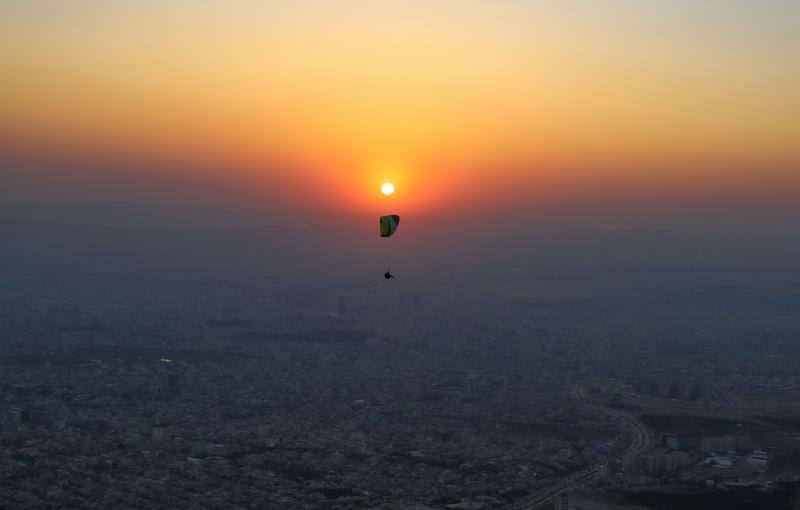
(389, 224)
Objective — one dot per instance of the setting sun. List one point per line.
(387, 188)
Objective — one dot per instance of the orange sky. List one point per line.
(314, 104)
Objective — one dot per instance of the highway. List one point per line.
(642, 442)
(643, 438)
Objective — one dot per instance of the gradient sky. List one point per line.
(464, 104)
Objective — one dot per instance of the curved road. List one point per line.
(643, 438)
(642, 442)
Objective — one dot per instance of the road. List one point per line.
(643, 438)
(642, 442)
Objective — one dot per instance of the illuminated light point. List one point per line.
(387, 188)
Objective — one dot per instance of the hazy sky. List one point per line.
(463, 104)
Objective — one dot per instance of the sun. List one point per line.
(387, 188)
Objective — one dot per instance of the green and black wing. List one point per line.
(389, 224)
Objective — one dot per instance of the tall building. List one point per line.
(681, 386)
(15, 415)
(611, 468)
(702, 388)
(342, 308)
(172, 380)
(668, 440)
(283, 299)
(725, 443)
(472, 387)
(655, 463)
(758, 459)
(561, 501)
(767, 344)
(158, 432)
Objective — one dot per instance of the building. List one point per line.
(561, 501)
(663, 462)
(472, 387)
(158, 433)
(725, 443)
(758, 459)
(681, 386)
(702, 388)
(172, 380)
(767, 343)
(662, 385)
(611, 468)
(669, 440)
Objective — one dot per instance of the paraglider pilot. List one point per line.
(388, 225)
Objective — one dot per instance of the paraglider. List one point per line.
(388, 226)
